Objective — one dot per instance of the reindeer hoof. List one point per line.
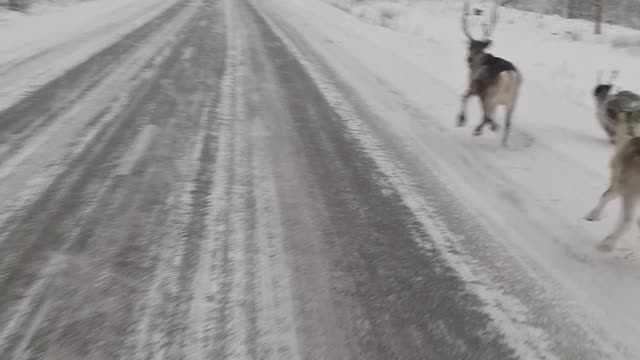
(592, 216)
(605, 246)
(494, 126)
(462, 120)
(477, 132)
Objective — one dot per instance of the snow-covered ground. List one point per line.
(35, 7)
(50, 39)
(406, 61)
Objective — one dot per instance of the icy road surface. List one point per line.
(232, 180)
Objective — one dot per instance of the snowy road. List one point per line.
(207, 188)
(197, 197)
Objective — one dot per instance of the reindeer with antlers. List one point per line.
(609, 105)
(494, 80)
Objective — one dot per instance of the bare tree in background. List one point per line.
(570, 11)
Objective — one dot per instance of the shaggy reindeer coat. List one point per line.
(610, 105)
(488, 67)
(624, 176)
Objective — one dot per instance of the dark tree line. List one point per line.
(619, 12)
(17, 5)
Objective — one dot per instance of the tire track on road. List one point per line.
(60, 208)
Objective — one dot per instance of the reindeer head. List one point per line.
(602, 90)
(478, 47)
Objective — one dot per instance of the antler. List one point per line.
(493, 20)
(613, 76)
(465, 24)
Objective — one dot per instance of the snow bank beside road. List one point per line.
(38, 47)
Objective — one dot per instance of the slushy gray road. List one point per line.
(190, 193)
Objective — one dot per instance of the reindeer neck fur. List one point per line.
(621, 139)
(626, 129)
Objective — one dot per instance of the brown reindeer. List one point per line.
(494, 80)
(624, 178)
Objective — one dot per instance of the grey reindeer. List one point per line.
(624, 175)
(609, 104)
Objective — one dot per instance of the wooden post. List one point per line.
(597, 7)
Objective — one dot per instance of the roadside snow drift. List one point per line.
(37, 47)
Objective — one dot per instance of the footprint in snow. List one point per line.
(519, 140)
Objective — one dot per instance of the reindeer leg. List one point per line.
(596, 213)
(628, 207)
(478, 130)
(487, 119)
(494, 126)
(462, 117)
(507, 127)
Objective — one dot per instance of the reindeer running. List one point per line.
(624, 178)
(495, 80)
